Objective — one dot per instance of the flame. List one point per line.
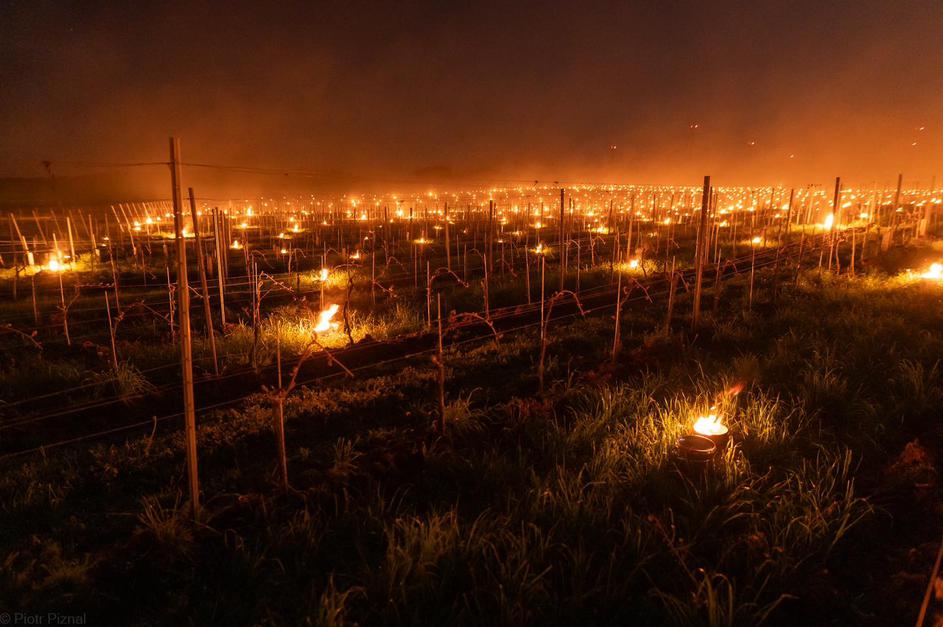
(633, 264)
(734, 389)
(709, 425)
(323, 275)
(324, 319)
(235, 245)
(829, 221)
(756, 240)
(935, 272)
(55, 266)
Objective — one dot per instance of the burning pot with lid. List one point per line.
(712, 427)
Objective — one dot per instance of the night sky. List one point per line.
(780, 92)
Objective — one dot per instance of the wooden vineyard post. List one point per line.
(799, 257)
(114, 276)
(792, 196)
(562, 264)
(610, 231)
(851, 268)
(280, 417)
(616, 339)
(448, 248)
(490, 243)
(527, 272)
(323, 266)
(486, 295)
(440, 362)
(672, 288)
(896, 206)
(699, 253)
(198, 243)
(68, 223)
(32, 282)
(428, 295)
(183, 310)
(111, 333)
(220, 268)
(832, 233)
(752, 272)
(65, 312)
(543, 326)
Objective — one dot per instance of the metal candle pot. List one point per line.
(714, 429)
(696, 451)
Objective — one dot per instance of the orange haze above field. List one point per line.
(439, 93)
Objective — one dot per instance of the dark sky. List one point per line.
(484, 90)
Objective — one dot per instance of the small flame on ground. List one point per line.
(935, 272)
(709, 425)
(324, 319)
(323, 275)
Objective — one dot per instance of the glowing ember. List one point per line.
(324, 319)
(709, 425)
(935, 272)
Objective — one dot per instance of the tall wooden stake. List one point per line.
(700, 252)
(220, 268)
(280, 417)
(198, 243)
(186, 349)
(561, 253)
(440, 362)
